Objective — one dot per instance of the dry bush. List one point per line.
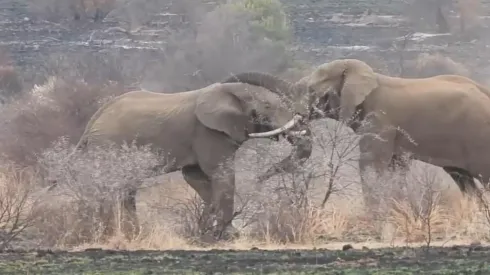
(20, 206)
(294, 207)
(178, 207)
(60, 107)
(85, 204)
(225, 42)
(427, 65)
(415, 212)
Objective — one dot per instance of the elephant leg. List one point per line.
(400, 165)
(215, 153)
(199, 181)
(463, 179)
(128, 216)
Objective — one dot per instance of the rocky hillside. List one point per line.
(324, 30)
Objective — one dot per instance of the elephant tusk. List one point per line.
(320, 112)
(287, 126)
(298, 133)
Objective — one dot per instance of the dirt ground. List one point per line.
(448, 260)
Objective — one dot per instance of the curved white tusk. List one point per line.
(297, 133)
(287, 126)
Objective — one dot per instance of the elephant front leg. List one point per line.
(200, 182)
(215, 153)
(223, 200)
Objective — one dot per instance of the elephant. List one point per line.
(198, 133)
(441, 120)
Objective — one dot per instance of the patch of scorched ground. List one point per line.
(448, 260)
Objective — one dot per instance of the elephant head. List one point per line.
(340, 85)
(335, 89)
(300, 139)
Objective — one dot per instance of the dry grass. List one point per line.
(459, 222)
(20, 206)
(165, 208)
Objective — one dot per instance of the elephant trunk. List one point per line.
(268, 81)
(300, 153)
(301, 140)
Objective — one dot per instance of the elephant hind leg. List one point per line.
(463, 179)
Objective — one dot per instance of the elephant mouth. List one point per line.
(321, 108)
(286, 128)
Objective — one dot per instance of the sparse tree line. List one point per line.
(113, 140)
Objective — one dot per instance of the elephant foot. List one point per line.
(230, 233)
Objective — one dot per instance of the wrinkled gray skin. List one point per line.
(197, 132)
(317, 97)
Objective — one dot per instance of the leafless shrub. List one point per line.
(19, 204)
(225, 42)
(294, 207)
(90, 186)
(60, 107)
(416, 212)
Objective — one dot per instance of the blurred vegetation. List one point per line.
(268, 18)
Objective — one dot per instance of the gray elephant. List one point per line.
(440, 120)
(197, 132)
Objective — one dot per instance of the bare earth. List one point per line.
(448, 260)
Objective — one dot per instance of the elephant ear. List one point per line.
(359, 82)
(222, 111)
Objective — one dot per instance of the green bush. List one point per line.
(268, 18)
